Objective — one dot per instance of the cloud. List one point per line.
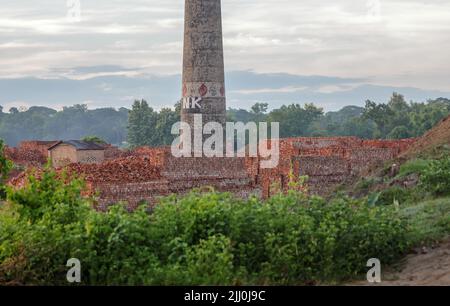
(288, 89)
(395, 43)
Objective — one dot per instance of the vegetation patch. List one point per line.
(436, 177)
(415, 166)
(429, 221)
(200, 239)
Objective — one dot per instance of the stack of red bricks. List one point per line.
(122, 170)
(132, 179)
(328, 161)
(30, 153)
(146, 173)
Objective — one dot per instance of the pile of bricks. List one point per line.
(123, 170)
(144, 174)
(176, 175)
(112, 152)
(34, 145)
(328, 161)
(30, 153)
(158, 155)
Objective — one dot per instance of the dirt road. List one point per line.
(431, 267)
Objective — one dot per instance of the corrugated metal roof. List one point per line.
(80, 145)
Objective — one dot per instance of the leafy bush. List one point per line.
(415, 166)
(199, 239)
(365, 183)
(399, 194)
(41, 225)
(436, 177)
(333, 240)
(429, 220)
(5, 167)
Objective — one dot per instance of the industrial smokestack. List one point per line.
(203, 88)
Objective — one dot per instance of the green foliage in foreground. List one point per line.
(429, 220)
(5, 167)
(436, 177)
(5, 164)
(199, 239)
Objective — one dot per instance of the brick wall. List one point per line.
(63, 154)
(328, 161)
(145, 174)
(90, 156)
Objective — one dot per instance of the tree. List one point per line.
(399, 119)
(141, 125)
(5, 167)
(239, 115)
(397, 103)
(359, 127)
(399, 132)
(13, 110)
(260, 108)
(166, 119)
(94, 139)
(295, 120)
(381, 114)
(393, 119)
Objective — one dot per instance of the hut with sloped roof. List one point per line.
(76, 151)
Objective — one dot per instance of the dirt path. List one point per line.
(429, 268)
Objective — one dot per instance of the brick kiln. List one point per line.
(327, 161)
(150, 173)
(145, 174)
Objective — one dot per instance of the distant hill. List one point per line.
(244, 88)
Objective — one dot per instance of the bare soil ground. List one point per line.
(429, 268)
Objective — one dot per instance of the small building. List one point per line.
(76, 151)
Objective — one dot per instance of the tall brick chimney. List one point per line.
(203, 88)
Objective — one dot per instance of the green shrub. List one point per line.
(436, 177)
(211, 261)
(429, 220)
(415, 166)
(333, 241)
(365, 183)
(42, 224)
(5, 166)
(199, 239)
(399, 194)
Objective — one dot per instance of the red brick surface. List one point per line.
(30, 153)
(328, 161)
(146, 173)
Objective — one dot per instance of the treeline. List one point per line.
(73, 122)
(142, 125)
(395, 119)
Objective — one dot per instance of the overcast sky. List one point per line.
(396, 43)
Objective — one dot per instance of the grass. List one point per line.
(429, 221)
(415, 166)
